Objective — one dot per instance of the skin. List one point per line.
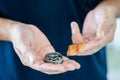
(98, 29)
(31, 45)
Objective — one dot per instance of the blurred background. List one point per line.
(113, 55)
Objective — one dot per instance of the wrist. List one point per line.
(109, 6)
(6, 29)
(107, 9)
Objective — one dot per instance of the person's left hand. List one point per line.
(98, 30)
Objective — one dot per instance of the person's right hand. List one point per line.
(31, 45)
(98, 30)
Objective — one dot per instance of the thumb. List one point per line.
(76, 35)
(25, 53)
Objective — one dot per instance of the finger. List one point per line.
(76, 35)
(91, 47)
(89, 26)
(103, 29)
(40, 65)
(100, 31)
(96, 44)
(65, 58)
(68, 65)
(77, 65)
(71, 65)
(52, 73)
(50, 68)
(110, 36)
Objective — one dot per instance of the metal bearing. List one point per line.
(55, 58)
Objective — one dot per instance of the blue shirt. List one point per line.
(53, 18)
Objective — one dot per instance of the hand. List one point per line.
(98, 30)
(31, 45)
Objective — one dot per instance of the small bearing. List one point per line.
(55, 58)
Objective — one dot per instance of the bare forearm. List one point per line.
(112, 5)
(6, 27)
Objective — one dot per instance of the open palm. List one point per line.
(98, 30)
(31, 45)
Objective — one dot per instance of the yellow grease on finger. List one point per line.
(73, 49)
